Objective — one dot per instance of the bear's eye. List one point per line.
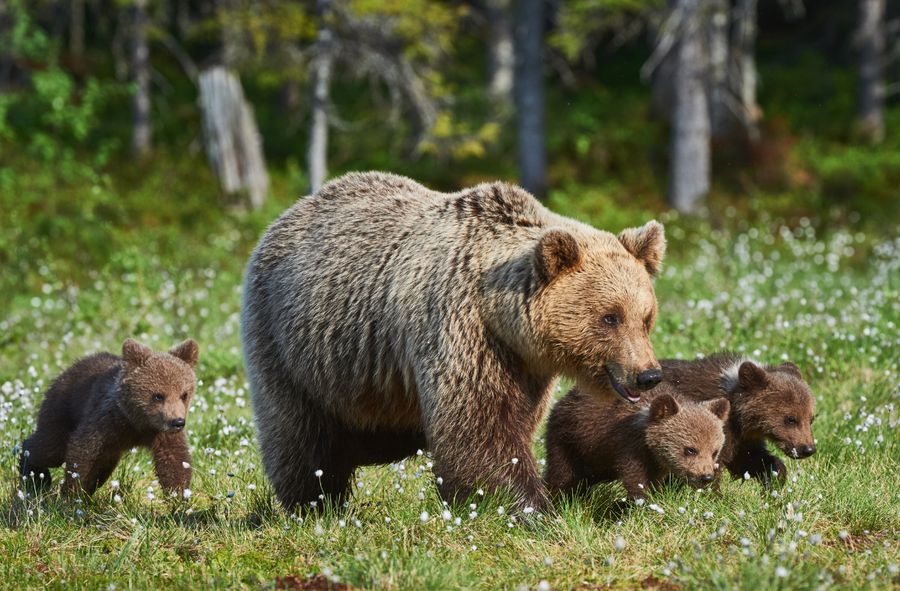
(790, 421)
(158, 397)
(184, 396)
(611, 320)
(690, 451)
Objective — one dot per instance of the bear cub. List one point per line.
(590, 441)
(768, 403)
(104, 405)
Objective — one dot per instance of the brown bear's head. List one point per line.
(157, 387)
(687, 438)
(596, 306)
(776, 404)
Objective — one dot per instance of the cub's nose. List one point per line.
(707, 478)
(804, 451)
(176, 424)
(648, 379)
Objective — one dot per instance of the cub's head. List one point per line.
(157, 387)
(597, 307)
(687, 438)
(775, 403)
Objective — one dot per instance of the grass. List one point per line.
(826, 297)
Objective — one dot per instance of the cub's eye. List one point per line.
(690, 451)
(158, 397)
(611, 320)
(790, 421)
(184, 396)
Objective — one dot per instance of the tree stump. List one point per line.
(233, 143)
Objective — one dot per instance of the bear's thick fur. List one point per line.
(380, 317)
(590, 441)
(103, 405)
(768, 403)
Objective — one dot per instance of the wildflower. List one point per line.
(186, 493)
(619, 543)
(318, 473)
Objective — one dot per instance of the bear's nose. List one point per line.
(177, 424)
(648, 379)
(707, 478)
(804, 451)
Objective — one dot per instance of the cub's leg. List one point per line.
(635, 477)
(44, 449)
(172, 461)
(754, 458)
(90, 459)
(560, 473)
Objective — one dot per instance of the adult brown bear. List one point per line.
(380, 317)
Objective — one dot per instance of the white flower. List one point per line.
(746, 476)
(114, 484)
(446, 515)
(117, 498)
(781, 572)
(318, 473)
(515, 461)
(423, 516)
(185, 465)
(543, 586)
(501, 510)
(186, 493)
(619, 543)
(21, 495)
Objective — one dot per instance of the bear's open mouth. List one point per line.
(622, 390)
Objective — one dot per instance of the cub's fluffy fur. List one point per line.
(380, 317)
(591, 441)
(768, 403)
(103, 405)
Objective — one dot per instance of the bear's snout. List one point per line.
(176, 424)
(649, 378)
(804, 451)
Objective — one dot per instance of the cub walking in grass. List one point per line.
(768, 403)
(105, 404)
(591, 441)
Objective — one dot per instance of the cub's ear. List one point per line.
(647, 244)
(662, 407)
(135, 353)
(791, 369)
(188, 351)
(719, 407)
(557, 251)
(752, 376)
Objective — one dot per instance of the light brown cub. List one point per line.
(590, 441)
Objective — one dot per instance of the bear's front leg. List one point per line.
(635, 477)
(90, 459)
(753, 458)
(481, 431)
(172, 461)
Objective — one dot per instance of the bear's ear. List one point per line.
(791, 369)
(135, 353)
(662, 407)
(647, 244)
(188, 351)
(719, 407)
(556, 251)
(752, 376)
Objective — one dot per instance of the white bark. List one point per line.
(141, 139)
(501, 51)
(719, 91)
(529, 95)
(233, 143)
(317, 153)
(690, 154)
(871, 65)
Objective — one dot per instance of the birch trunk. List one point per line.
(233, 143)
(744, 64)
(141, 139)
(871, 64)
(317, 153)
(529, 96)
(690, 154)
(501, 51)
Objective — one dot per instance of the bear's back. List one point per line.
(77, 390)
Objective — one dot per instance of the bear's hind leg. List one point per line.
(40, 452)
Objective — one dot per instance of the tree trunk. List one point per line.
(232, 44)
(690, 155)
(721, 116)
(141, 139)
(501, 51)
(744, 65)
(529, 95)
(233, 144)
(317, 153)
(76, 30)
(871, 64)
